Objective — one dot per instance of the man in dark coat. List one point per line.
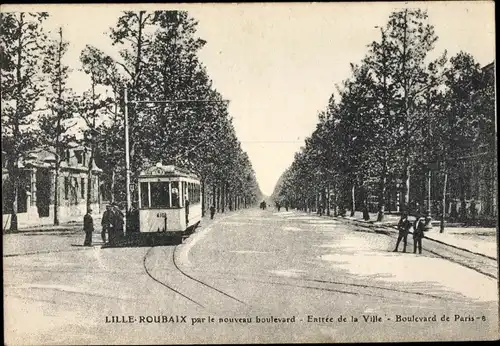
(212, 212)
(186, 209)
(88, 228)
(403, 228)
(133, 219)
(117, 222)
(418, 234)
(107, 223)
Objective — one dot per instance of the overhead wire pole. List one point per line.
(127, 156)
(126, 126)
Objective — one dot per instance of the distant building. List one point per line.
(36, 195)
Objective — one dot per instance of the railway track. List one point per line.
(480, 263)
(210, 295)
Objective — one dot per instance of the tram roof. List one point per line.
(166, 171)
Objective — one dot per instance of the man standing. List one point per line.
(117, 223)
(88, 228)
(418, 234)
(212, 212)
(403, 228)
(133, 219)
(473, 211)
(107, 223)
(186, 209)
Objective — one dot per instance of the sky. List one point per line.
(279, 63)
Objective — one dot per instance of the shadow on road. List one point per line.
(144, 240)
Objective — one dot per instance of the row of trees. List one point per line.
(400, 115)
(157, 61)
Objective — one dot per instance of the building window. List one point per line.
(79, 157)
(82, 188)
(74, 189)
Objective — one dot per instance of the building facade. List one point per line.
(37, 188)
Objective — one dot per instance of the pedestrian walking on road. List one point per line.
(107, 223)
(418, 234)
(88, 228)
(404, 226)
(212, 212)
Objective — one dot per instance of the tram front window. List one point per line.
(160, 195)
(144, 195)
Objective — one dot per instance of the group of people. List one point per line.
(112, 223)
(404, 227)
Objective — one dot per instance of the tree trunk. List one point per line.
(353, 199)
(89, 179)
(443, 205)
(381, 196)
(223, 198)
(217, 197)
(406, 189)
(214, 196)
(203, 197)
(14, 172)
(113, 178)
(381, 203)
(15, 197)
(56, 192)
(328, 200)
(463, 204)
(366, 215)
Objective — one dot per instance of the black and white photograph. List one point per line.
(243, 173)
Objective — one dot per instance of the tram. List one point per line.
(169, 201)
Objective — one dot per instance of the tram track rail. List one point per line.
(148, 272)
(294, 282)
(480, 263)
(181, 292)
(44, 252)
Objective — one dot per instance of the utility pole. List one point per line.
(127, 156)
(428, 217)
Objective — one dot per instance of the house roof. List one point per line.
(44, 158)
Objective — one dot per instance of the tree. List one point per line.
(55, 125)
(93, 108)
(382, 67)
(459, 126)
(411, 39)
(22, 51)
